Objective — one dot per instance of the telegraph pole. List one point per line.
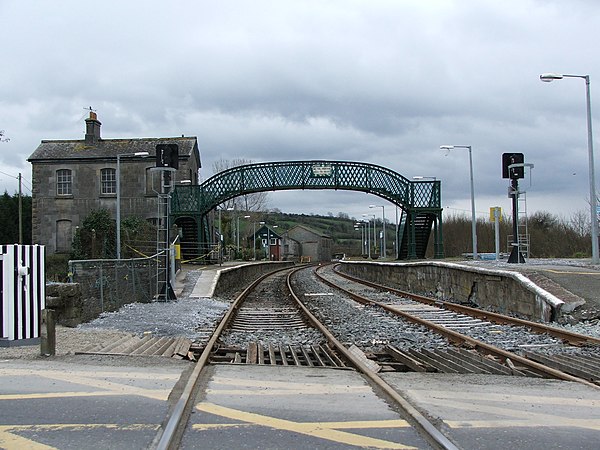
(20, 212)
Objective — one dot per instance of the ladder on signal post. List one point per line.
(522, 226)
(164, 287)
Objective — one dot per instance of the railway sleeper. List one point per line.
(450, 360)
(573, 365)
(316, 355)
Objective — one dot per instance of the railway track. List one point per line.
(568, 356)
(298, 317)
(282, 313)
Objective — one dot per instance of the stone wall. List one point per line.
(504, 291)
(67, 302)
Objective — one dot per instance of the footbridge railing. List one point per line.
(415, 198)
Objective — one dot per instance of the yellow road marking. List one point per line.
(313, 429)
(81, 373)
(352, 425)
(10, 441)
(513, 399)
(260, 384)
(108, 387)
(570, 272)
(272, 392)
(510, 415)
(149, 394)
(591, 424)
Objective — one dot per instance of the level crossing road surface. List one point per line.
(84, 402)
(294, 407)
(120, 402)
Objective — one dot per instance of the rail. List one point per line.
(459, 338)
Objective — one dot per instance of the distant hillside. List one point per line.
(341, 229)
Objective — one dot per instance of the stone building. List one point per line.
(71, 178)
(301, 242)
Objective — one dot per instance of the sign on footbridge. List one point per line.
(420, 201)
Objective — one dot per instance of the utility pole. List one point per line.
(20, 212)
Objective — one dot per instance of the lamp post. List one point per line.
(361, 225)
(118, 189)
(548, 77)
(374, 233)
(254, 227)
(238, 232)
(396, 245)
(473, 218)
(268, 246)
(368, 222)
(276, 246)
(383, 244)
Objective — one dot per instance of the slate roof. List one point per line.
(310, 230)
(263, 229)
(110, 148)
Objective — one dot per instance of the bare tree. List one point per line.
(580, 222)
(247, 202)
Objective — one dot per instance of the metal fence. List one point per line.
(108, 284)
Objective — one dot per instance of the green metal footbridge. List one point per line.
(420, 201)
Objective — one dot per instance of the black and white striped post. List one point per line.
(23, 292)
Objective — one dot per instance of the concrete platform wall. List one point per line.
(504, 291)
(236, 278)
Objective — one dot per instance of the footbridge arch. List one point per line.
(420, 201)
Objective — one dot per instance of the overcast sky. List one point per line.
(384, 82)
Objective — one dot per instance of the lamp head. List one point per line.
(446, 147)
(548, 77)
(142, 154)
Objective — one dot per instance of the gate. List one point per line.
(23, 286)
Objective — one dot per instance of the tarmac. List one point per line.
(82, 401)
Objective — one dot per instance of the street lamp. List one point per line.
(548, 77)
(369, 230)
(254, 227)
(363, 241)
(473, 218)
(118, 175)
(383, 244)
(276, 245)
(238, 232)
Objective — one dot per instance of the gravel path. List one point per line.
(187, 317)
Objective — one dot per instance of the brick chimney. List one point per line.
(92, 129)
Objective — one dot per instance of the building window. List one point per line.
(109, 181)
(64, 182)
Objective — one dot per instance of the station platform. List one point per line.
(575, 281)
(204, 286)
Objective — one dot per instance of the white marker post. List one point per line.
(495, 215)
